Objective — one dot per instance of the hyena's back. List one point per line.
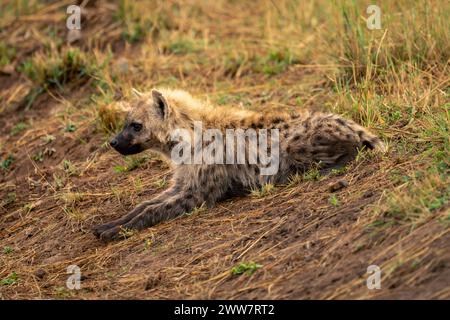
(327, 139)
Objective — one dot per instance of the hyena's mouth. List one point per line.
(127, 149)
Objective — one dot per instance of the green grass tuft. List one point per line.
(245, 267)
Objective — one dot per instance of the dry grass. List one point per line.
(60, 103)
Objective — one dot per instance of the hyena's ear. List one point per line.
(160, 103)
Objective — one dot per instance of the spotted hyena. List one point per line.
(305, 139)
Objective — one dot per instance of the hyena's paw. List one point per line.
(114, 233)
(118, 232)
(99, 229)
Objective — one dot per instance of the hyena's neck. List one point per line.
(188, 110)
(215, 118)
(244, 119)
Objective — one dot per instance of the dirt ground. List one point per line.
(59, 177)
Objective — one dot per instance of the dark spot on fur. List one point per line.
(307, 123)
(286, 126)
(189, 190)
(369, 144)
(277, 120)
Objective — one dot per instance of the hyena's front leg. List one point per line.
(198, 189)
(154, 214)
(99, 229)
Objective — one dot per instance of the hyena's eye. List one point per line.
(136, 126)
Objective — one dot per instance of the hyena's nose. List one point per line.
(113, 143)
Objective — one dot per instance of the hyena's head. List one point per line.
(147, 125)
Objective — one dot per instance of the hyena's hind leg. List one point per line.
(366, 138)
(338, 141)
(330, 141)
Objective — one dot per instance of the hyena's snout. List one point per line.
(123, 144)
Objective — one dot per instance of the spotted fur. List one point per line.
(306, 139)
